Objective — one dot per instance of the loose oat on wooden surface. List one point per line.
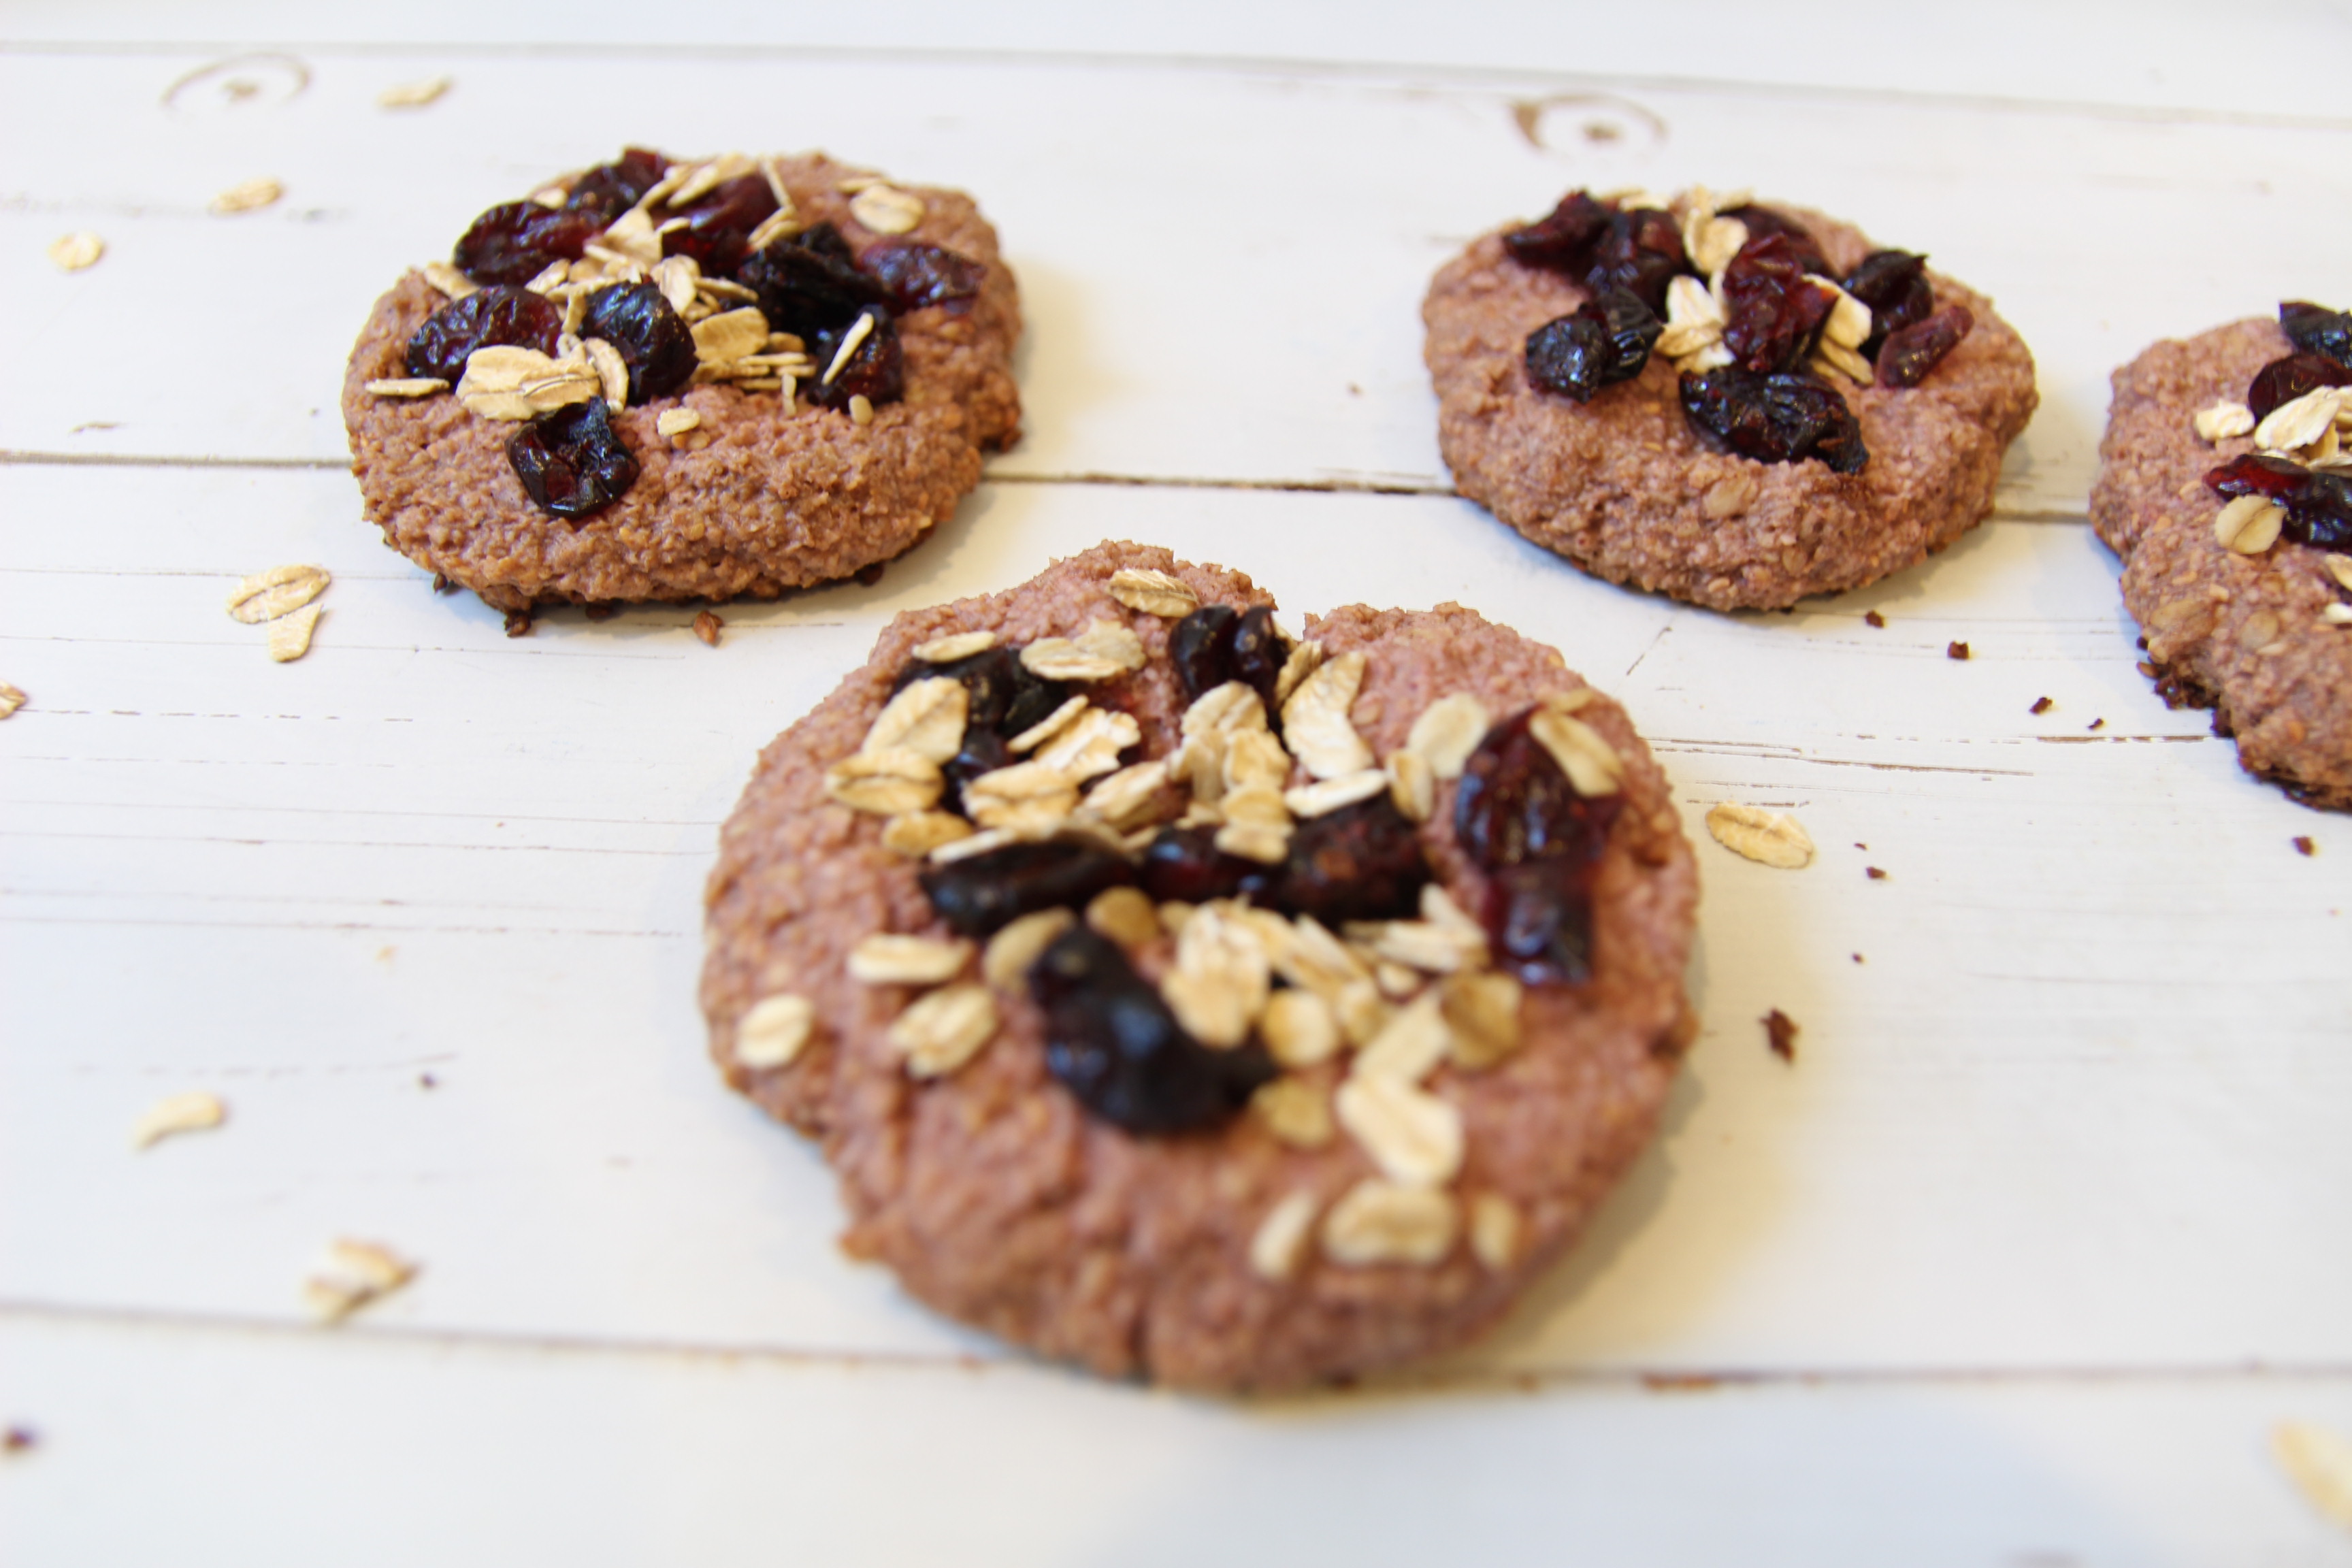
(353, 1274)
(73, 252)
(178, 1113)
(1767, 837)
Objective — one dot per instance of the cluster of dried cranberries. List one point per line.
(643, 276)
(2298, 409)
(1745, 303)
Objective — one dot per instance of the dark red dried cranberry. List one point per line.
(983, 750)
(1910, 353)
(1001, 694)
(513, 243)
(1562, 239)
(1774, 307)
(876, 370)
(1362, 862)
(1202, 648)
(1113, 1042)
(572, 462)
(718, 226)
(2317, 330)
(1639, 252)
(612, 189)
(1606, 341)
(1539, 914)
(919, 275)
(978, 894)
(499, 314)
(1764, 223)
(808, 285)
(2283, 380)
(1774, 418)
(653, 340)
(1259, 651)
(1516, 804)
(2319, 504)
(1184, 866)
(1893, 284)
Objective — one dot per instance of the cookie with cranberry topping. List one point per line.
(660, 380)
(2224, 486)
(1731, 403)
(1197, 1004)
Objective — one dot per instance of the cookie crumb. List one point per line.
(1955, 650)
(1857, 958)
(868, 575)
(518, 622)
(179, 1113)
(2042, 705)
(1781, 1034)
(2303, 845)
(72, 252)
(705, 627)
(602, 612)
(442, 585)
(426, 1080)
(1873, 873)
(2097, 724)
(1873, 618)
(20, 1440)
(2147, 669)
(249, 196)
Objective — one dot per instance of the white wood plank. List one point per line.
(254, 1449)
(1223, 267)
(2082, 1106)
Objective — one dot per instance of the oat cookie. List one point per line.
(1731, 403)
(2224, 486)
(660, 380)
(1195, 1003)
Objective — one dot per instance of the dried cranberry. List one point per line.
(612, 189)
(1563, 238)
(572, 462)
(876, 369)
(1113, 1042)
(1202, 648)
(982, 892)
(1539, 914)
(653, 340)
(808, 285)
(919, 275)
(1362, 862)
(718, 226)
(1259, 650)
(1515, 804)
(2317, 330)
(2282, 381)
(1001, 694)
(1763, 222)
(983, 750)
(514, 242)
(2319, 504)
(1775, 309)
(1185, 866)
(1893, 284)
(1910, 353)
(1641, 252)
(1606, 341)
(499, 314)
(1774, 418)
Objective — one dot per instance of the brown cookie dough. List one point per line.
(1001, 1200)
(2242, 635)
(1624, 488)
(759, 499)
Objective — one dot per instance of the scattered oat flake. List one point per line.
(2042, 705)
(249, 196)
(413, 94)
(11, 699)
(74, 251)
(1767, 837)
(290, 635)
(281, 591)
(1781, 1034)
(1955, 650)
(353, 1274)
(2303, 845)
(2319, 1462)
(705, 627)
(179, 1113)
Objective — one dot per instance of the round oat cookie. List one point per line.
(1624, 487)
(2243, 634)
(762, 495)
(1416, 1147)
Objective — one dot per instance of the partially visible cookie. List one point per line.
(2245, 604)
(788, 376)
(1230, 1051)
(1679, 395)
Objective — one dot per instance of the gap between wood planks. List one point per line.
(1676, 1379)
(1139, 481)
(1497, 78)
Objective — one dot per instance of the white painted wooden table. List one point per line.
(2019, 1262)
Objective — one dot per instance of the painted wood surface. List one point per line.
(2017, 1262)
